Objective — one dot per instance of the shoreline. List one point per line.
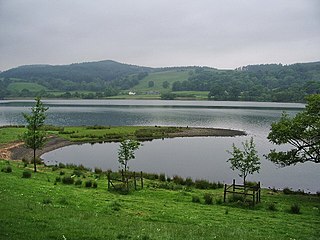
(16, 150)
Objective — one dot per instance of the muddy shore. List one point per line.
(17, 151)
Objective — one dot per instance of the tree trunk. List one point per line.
(34, 160)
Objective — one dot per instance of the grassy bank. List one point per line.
(41, 208)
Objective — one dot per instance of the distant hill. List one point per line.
(265, 82)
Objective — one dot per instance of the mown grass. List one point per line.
(39, 208)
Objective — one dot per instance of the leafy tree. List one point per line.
(165, 84)
(168, 96)
(302, 132)
(35, 137)
(126, 152)
(246, 161)
(151, 84)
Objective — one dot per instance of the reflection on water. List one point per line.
(194, 157)
(198, 158)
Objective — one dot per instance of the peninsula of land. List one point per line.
(63, 136)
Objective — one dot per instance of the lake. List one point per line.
(200, 157)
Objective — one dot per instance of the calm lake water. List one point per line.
(201, 157)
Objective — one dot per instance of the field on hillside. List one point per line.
(42, 207)
(159, 78)
(19, 86)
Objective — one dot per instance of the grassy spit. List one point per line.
(41, 207)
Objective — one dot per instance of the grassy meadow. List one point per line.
(19, 86)
(42, 207)
(159, 78)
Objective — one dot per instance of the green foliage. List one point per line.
(269, 82)
(162, 177)
(26, 174)
(126, 152)
(115, 206)
(168, 96)
(6, 169)
(97, 170)
(208, 198)
(35, 137)
(195, 199)
(88, 183)
(67, 180)
(301, 132)
(47, 201)
(78, 182)
(178, 180)
(295, 209)
(272, 207)
(246, 161)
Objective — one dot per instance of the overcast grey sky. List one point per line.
(157, 33)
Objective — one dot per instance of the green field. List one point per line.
(42, 208)
(19, 86)
(158, 78)
(10, 134)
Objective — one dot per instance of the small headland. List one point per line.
(64, 136)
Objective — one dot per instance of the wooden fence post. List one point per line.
(134, 181)
(141, 178)
(224, 193)
(259, 192)
(108, 180)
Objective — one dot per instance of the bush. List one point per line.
(178, 180)
(208, 198)
(272, 207)
(38, 161)
(63, 201)
(97, 170)
(115, 206)
(287, 191)
(78, 173)
(162, 177)
(219, 201)
(95, 185)
(58, 179)
(195, 199)
(55, 168)
(88, 184)
(202, 184)
(78, 182)
(213, 185)
(62, 173)
(295, 208)
(26, 174)
(220, 185)
(61, 165)
(236, 198)
(26, 161)
(47, 201)
(189, 181)
(67, 180)
(6, 169)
